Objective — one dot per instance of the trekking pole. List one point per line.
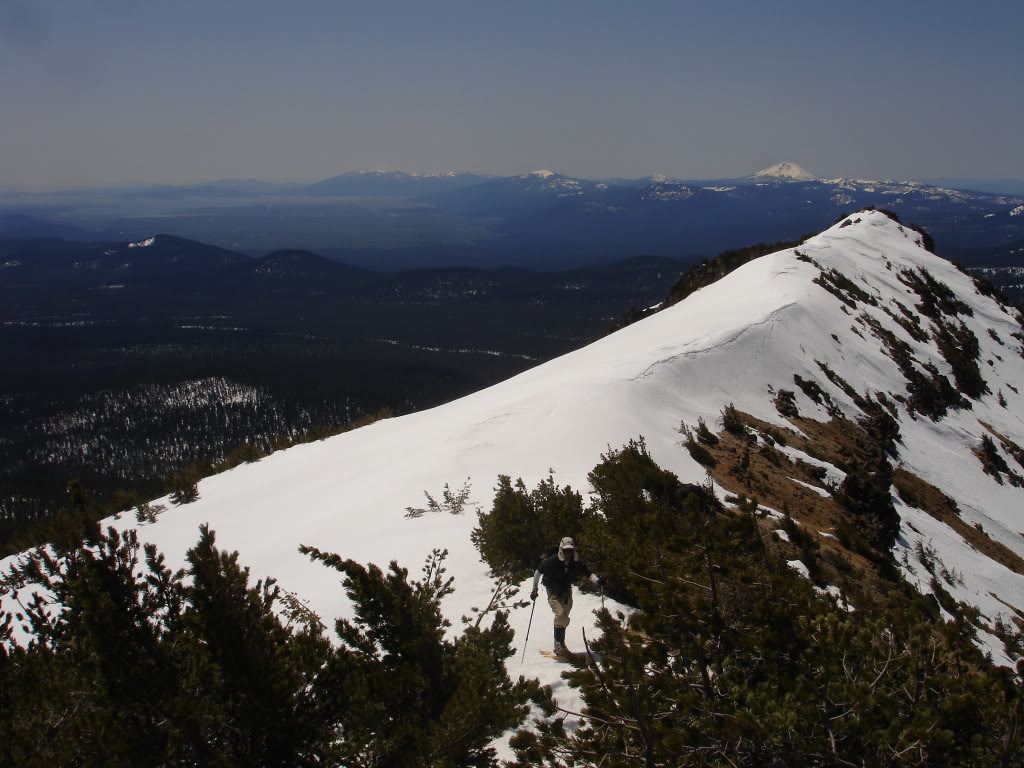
(534, 605)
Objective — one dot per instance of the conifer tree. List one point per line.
(258, 674)
(732, 659)
(406, 694)
(140, 669)
(109, 679)
(522, 525)
(144, 667)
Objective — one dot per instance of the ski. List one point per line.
(567, 657)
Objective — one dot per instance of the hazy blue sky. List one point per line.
(107, 91)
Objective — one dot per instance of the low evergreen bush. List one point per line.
(732, 659)
(522, 526)
(149, 667)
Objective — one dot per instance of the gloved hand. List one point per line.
(599, 580)
(533, 594)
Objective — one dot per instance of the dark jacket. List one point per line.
(559, 574)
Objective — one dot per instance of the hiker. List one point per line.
(560, 570)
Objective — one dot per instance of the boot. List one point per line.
(560, 641)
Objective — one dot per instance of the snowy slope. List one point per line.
(738, 340)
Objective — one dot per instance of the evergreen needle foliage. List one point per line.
(730, 657)
(695, 443)
(517, 532)
(145, 667)
(733, 660)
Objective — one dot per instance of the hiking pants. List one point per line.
(560, 605)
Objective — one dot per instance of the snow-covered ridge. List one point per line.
(739, 340)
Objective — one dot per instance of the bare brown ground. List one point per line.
(923, 495)
(1018, 614)
(758, 471)
(770, 477)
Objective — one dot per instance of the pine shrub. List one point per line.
(522, 526)
(865, 493)
(705, 435)
(695, 446)
(732, 421)
(145, 666)
(785, 403)
(184, 487)
(730, 660)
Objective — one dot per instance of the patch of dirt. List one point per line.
(921, 494)
(1018, 617)
(756, 469)
(753, 467)
(1008, 445)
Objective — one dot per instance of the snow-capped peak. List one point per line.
(543, 173)
(143, 243)
(785, 170)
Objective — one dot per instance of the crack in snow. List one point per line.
(649, 370)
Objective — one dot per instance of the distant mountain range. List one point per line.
(701, 217)
(59, 270)
(391, 183)
(994, 186)
(542, 219)
(60, 260)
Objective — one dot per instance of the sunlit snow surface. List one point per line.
(739, 340)
(785, 170)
